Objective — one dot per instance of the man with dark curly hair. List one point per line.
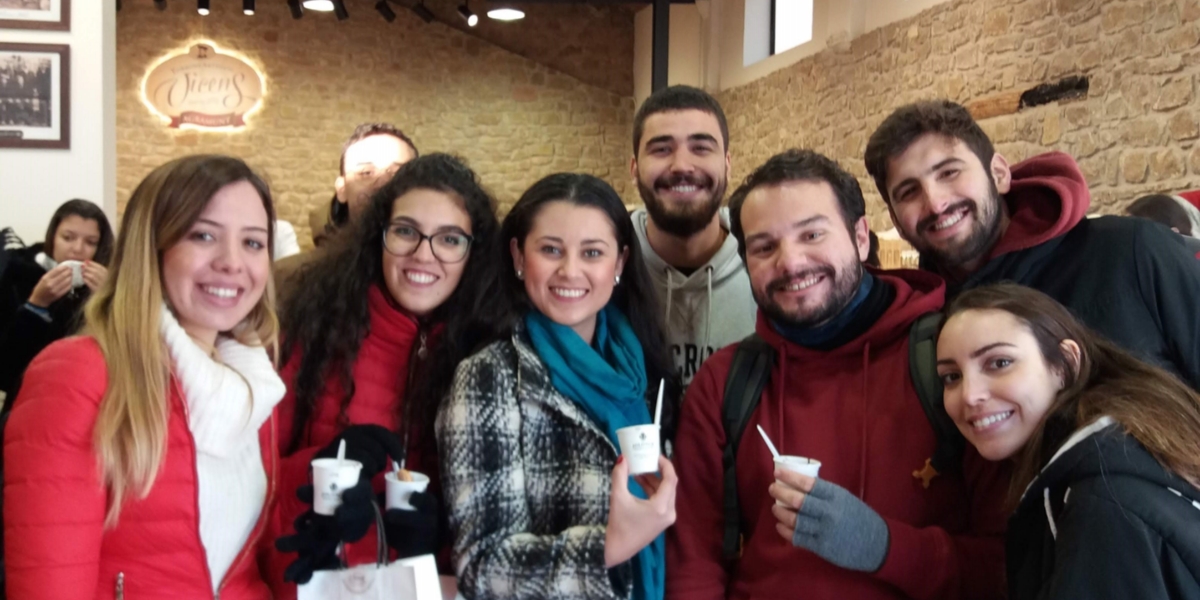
(976, 220)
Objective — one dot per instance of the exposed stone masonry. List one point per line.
(1134, 134)
(514, 120)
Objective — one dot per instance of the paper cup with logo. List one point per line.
(798, 464)
(399, 493)
(330, 480)
(639, 446)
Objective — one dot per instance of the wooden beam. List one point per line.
(1004, 103)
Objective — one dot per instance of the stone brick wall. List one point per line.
(1135, 133)
(514, 120)
(591, 43)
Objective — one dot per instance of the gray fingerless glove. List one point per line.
(840, 528)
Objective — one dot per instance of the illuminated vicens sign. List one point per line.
(204, 88)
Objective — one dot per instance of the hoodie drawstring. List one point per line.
(779, 398)
(708, 316)
(667, 318)
(1049, 514)
(862, 470)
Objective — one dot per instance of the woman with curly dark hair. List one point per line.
(372, 334)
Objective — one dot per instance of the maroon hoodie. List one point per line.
(1048, 197)
(853, 408)
(1128, 279)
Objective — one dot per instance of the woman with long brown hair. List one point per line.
(140, 457)
(1106, 448)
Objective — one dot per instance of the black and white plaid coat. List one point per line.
(527, 479)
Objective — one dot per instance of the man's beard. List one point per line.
(845, 286)
(984, 234)
(688, 220)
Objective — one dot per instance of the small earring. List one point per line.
(617, 280)
(520, 274)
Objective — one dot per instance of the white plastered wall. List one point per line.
(33, 183)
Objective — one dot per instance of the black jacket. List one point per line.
(1192, 244)
(1129, 279)
(1105, 520)
(23, 333)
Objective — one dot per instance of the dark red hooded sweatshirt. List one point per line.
(1048, 197)
(853, 408)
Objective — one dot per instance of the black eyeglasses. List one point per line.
(402, 239)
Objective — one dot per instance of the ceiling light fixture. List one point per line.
(471, 18)
(339, 9)
(423, 11)
(385, 10)
(505, 14)
(319, 5)
(248, 7)
(160, 4)
(294, 6)
(202, 7)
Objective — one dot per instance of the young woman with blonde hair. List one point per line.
(140, 456)
(1105, 447)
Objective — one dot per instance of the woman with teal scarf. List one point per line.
(541, 503)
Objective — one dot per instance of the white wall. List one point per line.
(35, 182)
(720, 35)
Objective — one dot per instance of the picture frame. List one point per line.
(48, 15)
(35, 96)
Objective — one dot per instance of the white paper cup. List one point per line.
(639, 446)
(400, 492)
(797, 464)
(76, 272)
(329, 482)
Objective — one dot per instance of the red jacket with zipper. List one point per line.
(56, 547)
(380, 379)
(853, 408)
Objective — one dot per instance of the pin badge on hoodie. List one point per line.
(926, 474)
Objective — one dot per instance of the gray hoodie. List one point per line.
(706, 311)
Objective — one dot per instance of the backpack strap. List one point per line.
(748, 375)
(922, 365)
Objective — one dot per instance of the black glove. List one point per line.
(371, 445)
(317, 536)
(414, 532)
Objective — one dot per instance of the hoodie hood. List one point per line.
(1048, 197)
(706, 310)
(917, 293)
(1102, 450)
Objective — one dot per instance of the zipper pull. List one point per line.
(421, 350)
(120, 586)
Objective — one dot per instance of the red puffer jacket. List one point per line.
(380, 380)
(56, 546)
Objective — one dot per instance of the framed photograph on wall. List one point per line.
(35, 96)
(54, 15)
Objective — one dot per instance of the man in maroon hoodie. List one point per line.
(977, 221)
(839, 392)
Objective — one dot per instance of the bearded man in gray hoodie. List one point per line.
(681, 167)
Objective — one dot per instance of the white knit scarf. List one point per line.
(227, 400)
